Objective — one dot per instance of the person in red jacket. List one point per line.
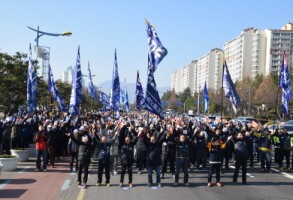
(41, 149)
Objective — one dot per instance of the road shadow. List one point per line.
(11, 193)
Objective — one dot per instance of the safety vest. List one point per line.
(291, 141)
(264, 149)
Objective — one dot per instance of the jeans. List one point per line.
(83, 165)
(158, 174)
(43, 154)
(104, 164)
(181, 163)
(243, 164)
(74, 156)
(266, 159)
(126, 166)
(217, 168)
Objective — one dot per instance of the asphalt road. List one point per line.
(58, 183)
(265, 186)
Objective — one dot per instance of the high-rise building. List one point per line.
(67, 76)
(278, 41)
(209, 69)
(252, 52)
(245, 54)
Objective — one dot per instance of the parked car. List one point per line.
(289, 128)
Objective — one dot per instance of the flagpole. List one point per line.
(277, 100)
(222, 92)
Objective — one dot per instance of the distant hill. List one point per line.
(106, 87)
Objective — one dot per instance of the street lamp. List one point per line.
(41, 33)
(43, 52)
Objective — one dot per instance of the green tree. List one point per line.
(166, 96)
(184, 95)
(13, 75)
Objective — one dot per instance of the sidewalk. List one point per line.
(24, 183)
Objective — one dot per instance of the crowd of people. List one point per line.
(151, 144)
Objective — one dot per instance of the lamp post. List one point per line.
(44, 53)
(198, 93)
(41, 33)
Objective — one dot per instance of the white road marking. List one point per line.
(284, 173)
(248, 174)
(23, 170)
(65, 185)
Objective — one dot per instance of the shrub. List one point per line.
(7, 156)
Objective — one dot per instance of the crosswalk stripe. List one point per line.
(284, 173)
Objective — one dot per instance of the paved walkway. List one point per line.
(24, 183)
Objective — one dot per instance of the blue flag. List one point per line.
(152, 98)
(104, 98)
(157, 51)
(126, 101)
(206, 97)
(53, 89)
(91, 87)
(156, 54)
(32, 86)
(115, 94)
(229, 88)
(76, 92)
(140, 101)
(285, 84)
(122, 96)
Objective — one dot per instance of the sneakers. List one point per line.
(130, 185)
(219, 184)
(115, 172)
(187, 184)
(159, 185)
(108, 184)
(176, 184)
(36, 170)
(45, 170)
(209, 184)
(139, 172)
(121, 184)
(80, 186)
(98, 184)
(149, 185)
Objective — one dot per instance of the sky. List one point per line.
(187, 28)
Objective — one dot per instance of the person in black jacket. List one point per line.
(201, 150)
(154, 160)
(127, 159)
(285, 149)
(215, 158)
(182, 158)
(240, 153)
(84, 155)
(104, 158)
(168, 152)
(264, 147)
